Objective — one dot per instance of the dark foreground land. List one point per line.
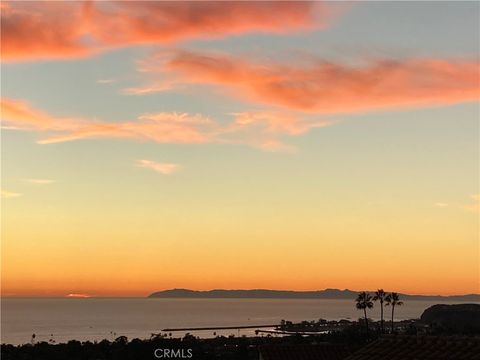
(228, 348)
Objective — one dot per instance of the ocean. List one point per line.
(62, 319)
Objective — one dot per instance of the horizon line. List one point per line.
(81, 295)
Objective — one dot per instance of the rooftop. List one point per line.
(403, 347)
(304, 352)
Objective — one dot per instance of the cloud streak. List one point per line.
(161, 168)
(159, 127)
(39, 30)
(74, 295)
(323, 87)
(9, 194)
(257, 128)
(105, 81)
(475, 206)
(40, 181)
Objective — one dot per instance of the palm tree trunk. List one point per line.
(393, 311)
(381, 317)
(366, 319)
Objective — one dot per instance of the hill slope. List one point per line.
(286, 294)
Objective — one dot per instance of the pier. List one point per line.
(222, 328)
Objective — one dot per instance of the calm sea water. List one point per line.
(96, 319)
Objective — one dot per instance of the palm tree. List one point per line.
(393, 299)
(364, 302)
(380, 296)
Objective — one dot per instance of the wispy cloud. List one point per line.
(262, 129)
(81, 296)
(105, 81)
(276, 122)
(149, 89)
(160, 127)
(267, 129)
(40, 30)
(161, 168)
(475, 205)
(323, 87)
(39, 181)
(9, 194)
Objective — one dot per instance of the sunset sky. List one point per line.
(280, 145)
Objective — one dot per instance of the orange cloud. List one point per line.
(260, 129)
(81, 296)
(325, 87)
(151, 21)
(160, 127)
(36, 30)
(19, 115)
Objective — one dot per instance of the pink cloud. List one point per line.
(325, 87)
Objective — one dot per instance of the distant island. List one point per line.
(287, 294)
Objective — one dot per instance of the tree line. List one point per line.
(365, 300)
